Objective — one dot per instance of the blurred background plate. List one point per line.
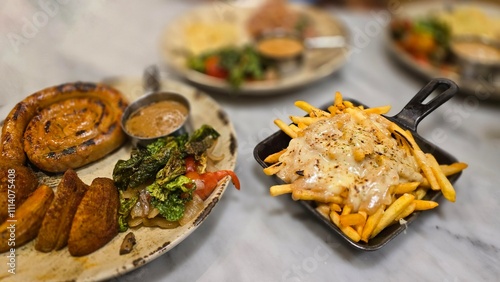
(468, 17)
(193, 33)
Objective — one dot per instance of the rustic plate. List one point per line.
(151, 242)
(317, 63)
(482, 89)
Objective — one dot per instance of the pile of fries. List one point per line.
(406, 197)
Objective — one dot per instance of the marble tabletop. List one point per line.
(251, 236)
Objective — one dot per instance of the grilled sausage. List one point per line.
(65, 126)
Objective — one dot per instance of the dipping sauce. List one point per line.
(157, 119)
(477, 51)
(280, 47)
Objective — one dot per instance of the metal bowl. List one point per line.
(286, 64)
(184, 127)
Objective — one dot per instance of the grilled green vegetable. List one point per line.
(161, 166)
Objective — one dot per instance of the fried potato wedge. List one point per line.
(23, 181)
(54, 233)
(96, 219)
(28, 219)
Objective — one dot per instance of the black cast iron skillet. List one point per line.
(408, 118)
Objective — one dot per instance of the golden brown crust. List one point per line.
(28, 218)
(22, 182)
(73, 150)
(54, 232)
(96, 219)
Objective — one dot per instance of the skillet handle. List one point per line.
(415, 110)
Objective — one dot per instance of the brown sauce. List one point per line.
(280, 47)
(157, 119)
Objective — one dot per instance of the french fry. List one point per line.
(338, 101)
(352, 219)
(273, 169)
(274, 158)
(301, 125)
(347, 230)
(444, 183)
(420, 193)
(371, 222)
(277, 190)
(348, 104)
(295, 128)
(426, 169)
(453, 168)
(311, 110)
(392, 212)
(406, 212)
(359, 227)
(350, 232)
(333, 110)
(335, 207)
(335, 218)
(447, 171)
(418, 154)
(304, 120)
(324, 210)
(406, 187)
(422, 205)
(378, 110)
(285, 128)
(308, 195)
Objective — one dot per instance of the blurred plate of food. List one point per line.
(460, 41)
(75, 110)
(222, 46)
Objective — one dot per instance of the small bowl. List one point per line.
(477, 57)
(184, 126)
(272, 46)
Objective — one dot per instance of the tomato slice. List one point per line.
(213, 68)
(210, 180)
(190, 164)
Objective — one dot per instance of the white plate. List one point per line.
(482, 89)
(151, 242)
(317, 64)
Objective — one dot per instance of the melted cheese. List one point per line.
(326, 158)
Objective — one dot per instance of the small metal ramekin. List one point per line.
(284, 65)
(148, 99)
